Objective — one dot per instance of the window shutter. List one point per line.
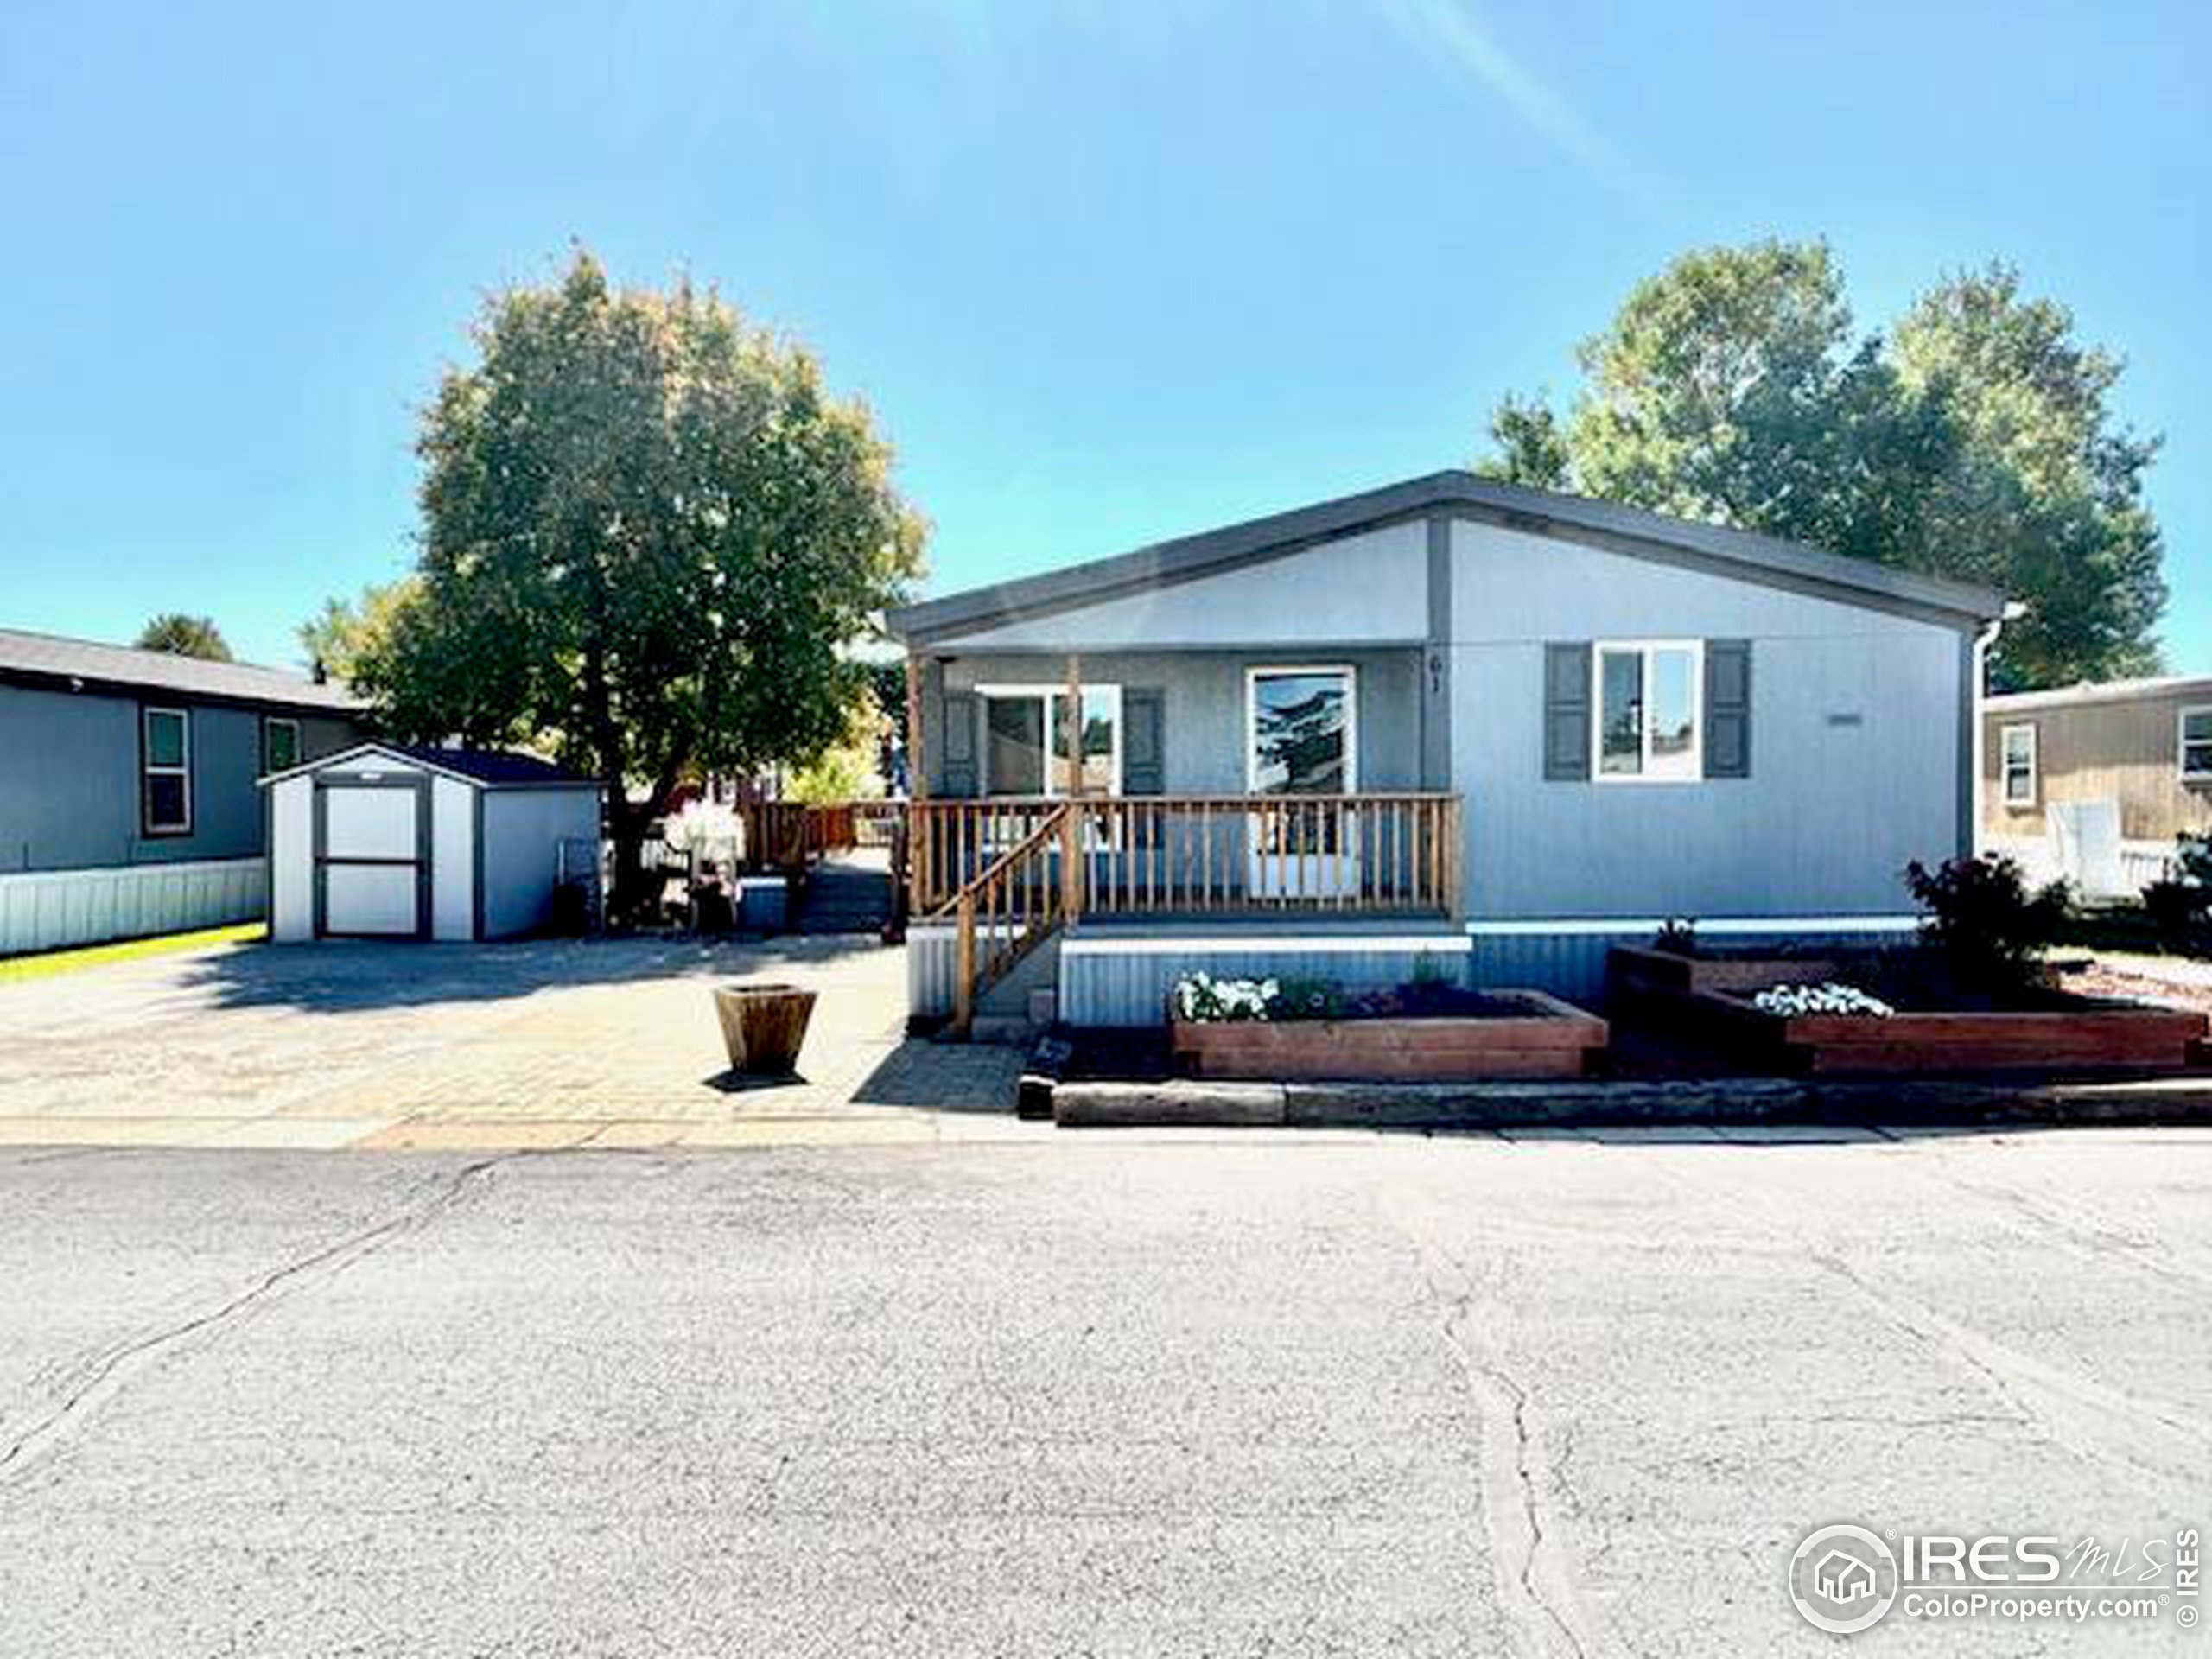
(959, 769)
(1567, 711)
(1727, 708)
(1144, 741)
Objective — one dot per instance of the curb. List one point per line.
(1592, 1104)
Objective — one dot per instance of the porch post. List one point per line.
(1071, 821)
(918, 789)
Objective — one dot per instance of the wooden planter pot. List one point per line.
(763, 1026)
(1552, 1039)
(2093, 1036)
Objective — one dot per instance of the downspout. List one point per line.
(1977, 688)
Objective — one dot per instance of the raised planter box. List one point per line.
(1633, 971)
(2090, 1036)
(1551, 1039)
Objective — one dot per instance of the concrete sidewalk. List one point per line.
(546, 1045)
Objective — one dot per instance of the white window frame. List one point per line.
(2004, 735)
(1045, 693)
(1691, 769)
(269, 723)
(1259, 672)
(147, 770)
(2182, 742)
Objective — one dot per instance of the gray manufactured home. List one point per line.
(1446, 718)
(128, 803)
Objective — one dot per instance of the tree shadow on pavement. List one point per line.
(342, 976)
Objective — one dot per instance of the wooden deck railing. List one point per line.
(1018, 901)
(1383, 854)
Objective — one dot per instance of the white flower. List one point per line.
(1831, 998)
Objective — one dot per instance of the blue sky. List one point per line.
(1107, 272)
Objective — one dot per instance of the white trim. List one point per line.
(2110, 691)
(1692, 771)
(1044, 691)
(1163, 944)
(1252, 677)
(149, 769)
(2181, 741)
(2005, 735)
(1584, 927)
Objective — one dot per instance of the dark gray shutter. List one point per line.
(959, 771)
(1567, 711)
(1727, 708)
(1144, 741)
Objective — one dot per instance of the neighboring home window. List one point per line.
(2196, 745)
(1647, 695)
(165, 784)
(1303, 725)
(2018, 744)
(280, 744)
(1026, 740)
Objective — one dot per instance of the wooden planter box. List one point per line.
(2092, 1037)
(1552, 1039)
(1635, 970)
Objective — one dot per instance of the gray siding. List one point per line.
(523, 831)
(1205, 707)
(1855, 764)
(69, 780)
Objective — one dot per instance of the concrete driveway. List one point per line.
(1102, 1395)
(555, 1043)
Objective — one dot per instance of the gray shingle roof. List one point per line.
(46, 657)
(1541, 512)
(492, 765)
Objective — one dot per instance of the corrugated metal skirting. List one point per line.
(1130, 987)
(45, 910)
(1572, 964)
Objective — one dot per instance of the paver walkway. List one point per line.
(552, 1043)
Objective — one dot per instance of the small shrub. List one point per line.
(1202, 998)
(2194, 855)
(1678, 938)
(2180, 907)
(1989, 927)
(1307, 999)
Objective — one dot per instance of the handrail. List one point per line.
(1018, 904)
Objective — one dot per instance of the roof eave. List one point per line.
(1537, 511)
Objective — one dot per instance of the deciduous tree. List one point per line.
(647, 530)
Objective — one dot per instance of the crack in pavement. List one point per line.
(112, 1369)
(1550, 1614)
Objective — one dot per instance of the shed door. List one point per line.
(372, 859)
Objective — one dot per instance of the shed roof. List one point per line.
(485, 768)
(48, 658)
(1629, 530)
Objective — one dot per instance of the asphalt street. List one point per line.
(1102, 1394)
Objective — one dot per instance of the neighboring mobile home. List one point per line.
(127, 797)
(1446, 718)
(2093, 783)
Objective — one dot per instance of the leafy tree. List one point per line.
(647, 531)
(347, 630)
(185, 636)
(1976, 441)
(1531, 447)
(850, 769)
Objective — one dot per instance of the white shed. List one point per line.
(391, 841)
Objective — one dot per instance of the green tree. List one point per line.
(185, 636)
(345, 631)
(648, 531)
(1531, 449)
(1976, 441)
